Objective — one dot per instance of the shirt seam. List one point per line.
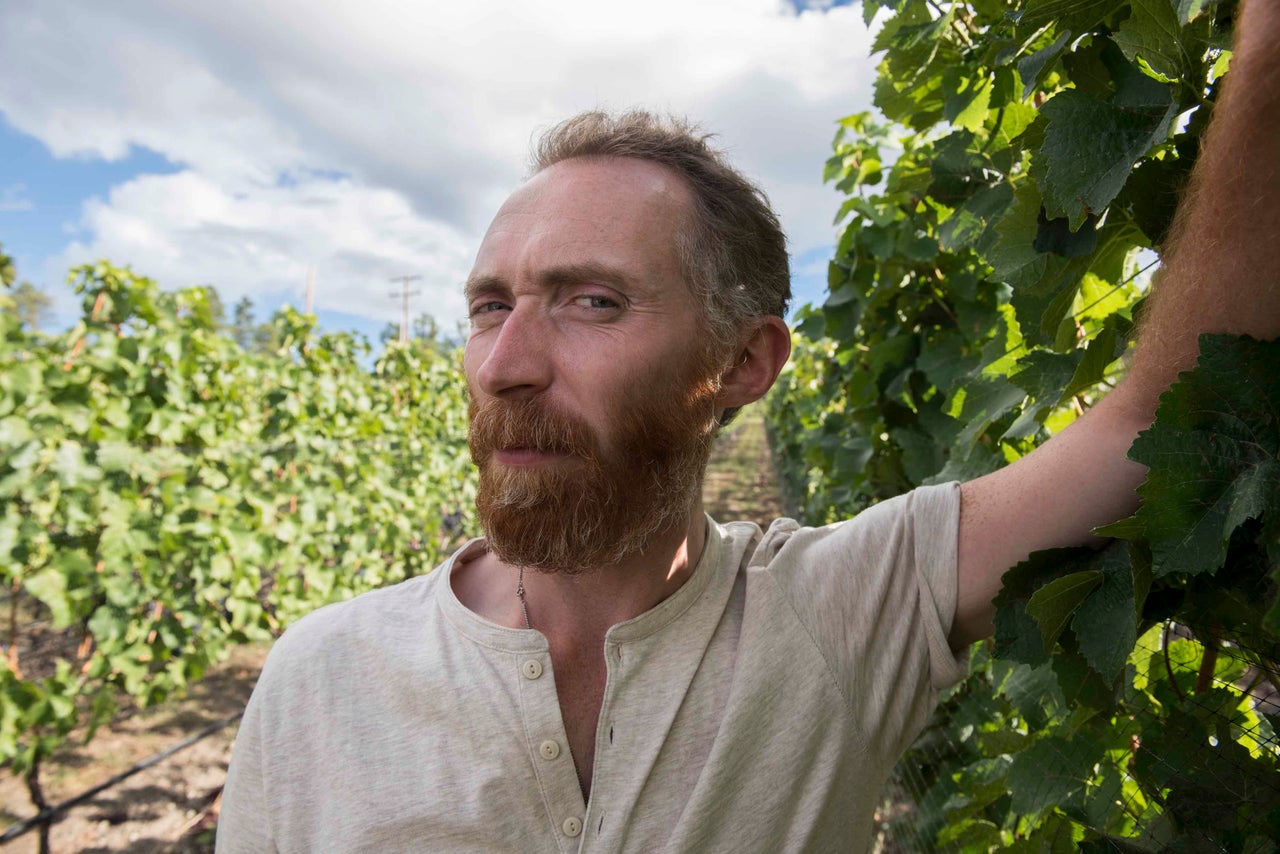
(710, 575)
(831, 671)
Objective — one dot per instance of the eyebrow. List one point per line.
(565, 274)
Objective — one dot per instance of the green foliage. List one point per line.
(252, 336)
(7, 271)
(167, 494)
(999, 221)
(31, 304)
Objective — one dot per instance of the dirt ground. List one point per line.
(741, 484)
(169, 807)
(172, 806)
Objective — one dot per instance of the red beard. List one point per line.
(598, 507)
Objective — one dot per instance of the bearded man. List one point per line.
(611, 670)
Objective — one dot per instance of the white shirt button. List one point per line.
(532, 668)
(549, 749)
(572, 826)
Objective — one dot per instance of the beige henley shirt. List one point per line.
(759, 708)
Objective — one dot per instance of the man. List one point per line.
(610, 670)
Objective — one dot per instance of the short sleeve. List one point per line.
(877, 594)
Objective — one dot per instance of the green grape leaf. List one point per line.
(1090, 148)
(1077, 15)
(1152, 32)
(1033, 66)
(1152, 192)
(1050, 771)
(1189, 10)
(1100, 353)
(1018, 636)
(1030, 689)
(70, 465)
(921, 455)
(1014, 258)
(1053, 605)
(970, 223)
(1057, 236)
(1044, 375)
(50, 587)
(986, 399)
(1080, 684)
(1002, 741)
(1106, 622)
(1213, 454)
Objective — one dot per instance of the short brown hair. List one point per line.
(734, 252)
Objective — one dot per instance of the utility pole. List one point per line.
(311, 288)
(404, 295)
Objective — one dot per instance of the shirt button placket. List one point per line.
(549, 749)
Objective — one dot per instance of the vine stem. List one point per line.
(1208, 661)
(38, 801)
(13, 628)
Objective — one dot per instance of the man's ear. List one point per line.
(757, 361)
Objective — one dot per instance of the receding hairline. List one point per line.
(671, 176)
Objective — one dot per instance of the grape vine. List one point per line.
(167, 494)
(1003, 217)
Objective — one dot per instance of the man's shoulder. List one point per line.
(357, 628)
(924, 510)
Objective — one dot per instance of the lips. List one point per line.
(526, 434)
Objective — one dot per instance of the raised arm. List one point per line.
(1219, 275)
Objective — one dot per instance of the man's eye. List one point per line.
(596, 301)
(487, 307)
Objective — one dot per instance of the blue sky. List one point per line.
(46, 194)
(229, 144)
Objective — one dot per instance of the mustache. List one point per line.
(529, 423)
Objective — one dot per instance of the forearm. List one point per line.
(1219, 273)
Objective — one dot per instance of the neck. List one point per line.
(582, 607)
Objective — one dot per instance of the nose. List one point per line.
(515, 358)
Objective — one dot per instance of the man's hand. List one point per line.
(1219, 275)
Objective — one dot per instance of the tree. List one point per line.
(424, 328)
(242, 326)
(31, 304)
(216, 309)
(7, 271)
(389, 333)
(251, 336)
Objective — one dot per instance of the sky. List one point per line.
(242, 142)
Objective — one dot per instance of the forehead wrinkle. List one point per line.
(614, 220)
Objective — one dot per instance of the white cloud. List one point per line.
(13, 199)
(185, 229)
(431, 105)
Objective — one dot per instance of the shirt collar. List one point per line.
(667, 611)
